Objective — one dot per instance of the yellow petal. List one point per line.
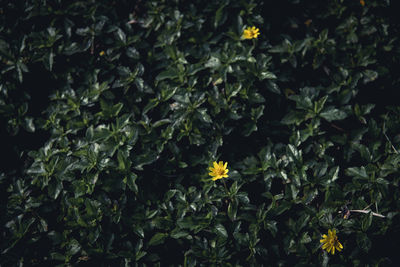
(328, 249)
(215, 165)
(225, 165)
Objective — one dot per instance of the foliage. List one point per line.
(113, 111)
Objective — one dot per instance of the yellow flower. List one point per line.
(251, 32)
(331, 242)
(362, 2)
(102, 53)
(219, 170)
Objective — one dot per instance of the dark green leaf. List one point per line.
(157, 239)
(221, 231)
(332, 114)
(366, 221)
(171, 73)
(130, 181)
(357, 172)
(363, 242)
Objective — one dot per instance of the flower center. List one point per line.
(333, 241)
(220, 171)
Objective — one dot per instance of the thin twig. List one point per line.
(225, 186)
(387, 138)
(368, 211)
(348, 212)
(337, 127)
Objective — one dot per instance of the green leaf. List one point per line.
(116, 109)
(152, 104)
(49, 60)
(320, 104)
(357, 172)
(248, 128)
(272, 227)
(267, 75)
(363, 242)
(138, 230)
(37, 168)
(302, 102)
(150, 214)
(101, 133)
(57, 256)
(54, 188)
(232, 210)
(140, 255)
(194, 68)
(366, 221)
(218, 16)
(305, 238)
(284, 206)
(293, 117)
(221, 231)
(144, 159)
(239, 25)
(213, 63)
(369, 76)
(73, 247)
(333, 114)
(202, 112)
(132, 53)
(158, 239)
(161, 122)
(177, 234)
(130, 181)
(29, 125)
(273, 87)
(170, 73)
(120, 35)
(257, 98)
(168, 92)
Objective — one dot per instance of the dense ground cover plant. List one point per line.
(120, 120)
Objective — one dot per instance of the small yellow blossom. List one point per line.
(330, 242)
(251, 32)
(362, 2)
(308, 22)
(219, 170)
(102, 53)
